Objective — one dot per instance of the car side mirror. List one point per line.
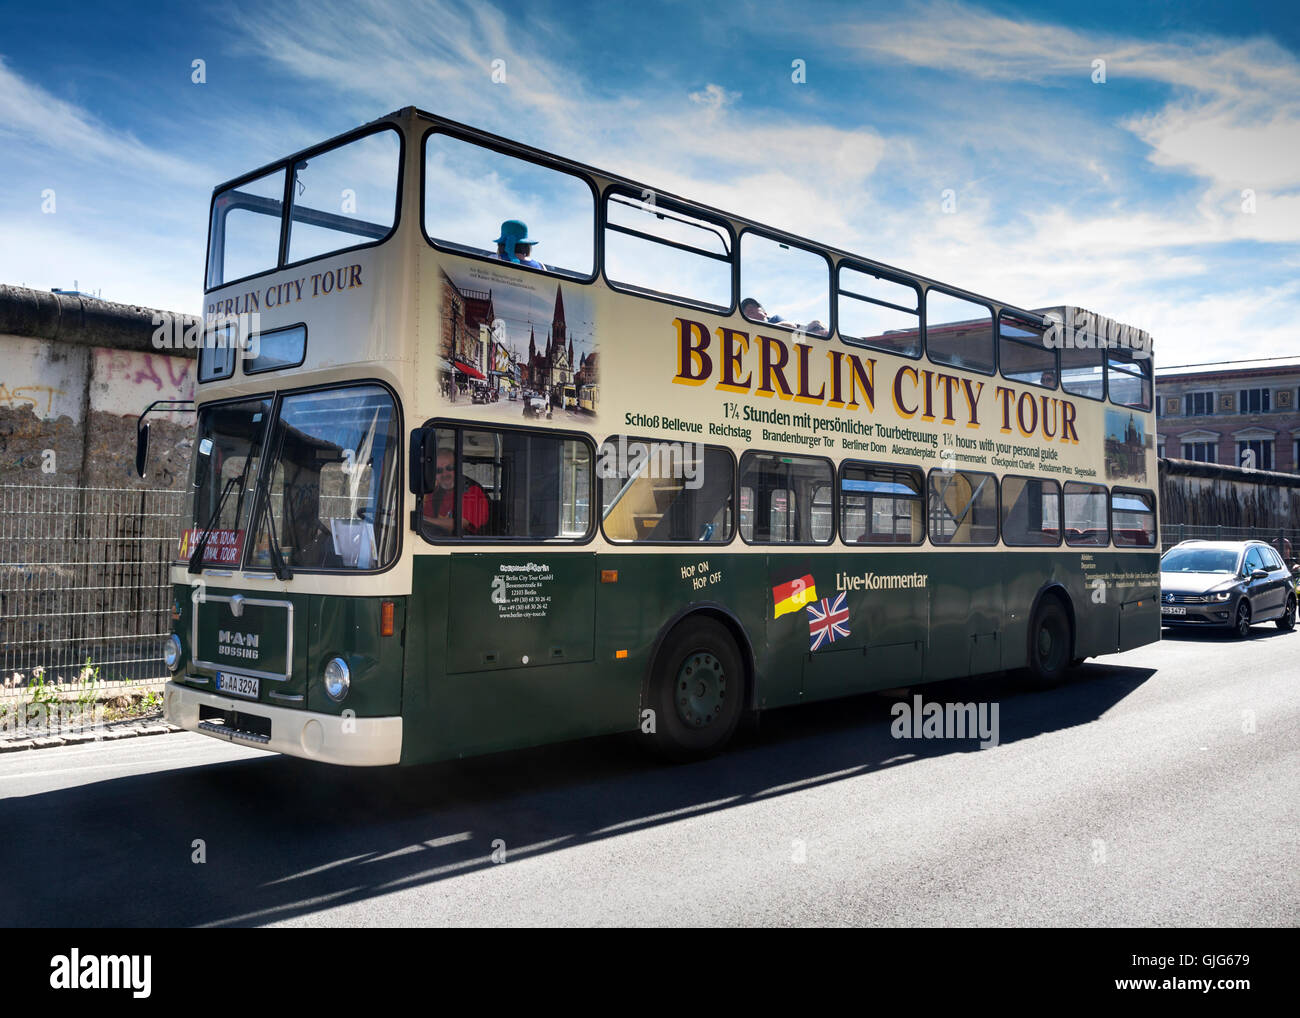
(1259, 574)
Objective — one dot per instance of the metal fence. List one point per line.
(83, 580)
(1285, 539)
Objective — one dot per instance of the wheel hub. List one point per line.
(700, 689)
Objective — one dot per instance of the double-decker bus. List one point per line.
(808, 474)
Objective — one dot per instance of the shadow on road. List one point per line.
(286, 838)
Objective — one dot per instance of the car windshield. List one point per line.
(1199, 560)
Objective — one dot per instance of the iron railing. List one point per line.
(83, 582)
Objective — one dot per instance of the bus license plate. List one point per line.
(238, 685)
(1169, 610)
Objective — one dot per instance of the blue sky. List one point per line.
(1125, 197)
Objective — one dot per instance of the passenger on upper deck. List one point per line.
(514, 244)
(754, 311)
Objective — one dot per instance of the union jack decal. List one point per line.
(828, 621)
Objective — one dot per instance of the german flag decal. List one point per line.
(793, 596)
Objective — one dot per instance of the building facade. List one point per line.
(1240, 413)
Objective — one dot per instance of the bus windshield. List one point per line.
(332, 482)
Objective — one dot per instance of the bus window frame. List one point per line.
(1105, 379)
(969, 299)
(922, 497)
(1110, 530)
(557, 166)
(1148, 376)
(1026, 318)
(735, 499)
(835, 507)
(282, 367)
(1060, 512)
(821, 253)
(673, 205)
(286, 165)
(1145, 494)
(462, 540)
(856, 265)
(997, 515)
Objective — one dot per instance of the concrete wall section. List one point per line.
(42, 410)
(68, 414)
(1207, 495)
(122, 384)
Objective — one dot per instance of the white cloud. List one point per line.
(31, 116)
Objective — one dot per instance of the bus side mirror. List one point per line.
(422, 468)
(141, 447)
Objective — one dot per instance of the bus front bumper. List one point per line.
(352, 741)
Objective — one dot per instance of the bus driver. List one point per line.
(473, 500)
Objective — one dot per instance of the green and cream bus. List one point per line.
(808, 474)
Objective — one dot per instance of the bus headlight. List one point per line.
(172, 652)
(337, 679)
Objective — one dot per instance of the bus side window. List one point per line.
(958, 332)
(963, 507)
(513, 485)
(1086, 519)
(665, 492)
(1133, 518)
(780, 502)
(1031, 511)
(783, 286)
(475, 196)
(881, 505)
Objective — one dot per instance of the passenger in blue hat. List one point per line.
(514, 244)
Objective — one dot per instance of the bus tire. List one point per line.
(696, 690)
(1051, 641)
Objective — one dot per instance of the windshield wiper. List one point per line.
(196, 557)
(278, 564)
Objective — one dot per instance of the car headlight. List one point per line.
(337, 679)
(1222, 595)
(172, 652)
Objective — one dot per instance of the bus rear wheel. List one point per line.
(1049, 643)
(696, 691)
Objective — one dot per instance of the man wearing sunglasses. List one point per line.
(440, 503)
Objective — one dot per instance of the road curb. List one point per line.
(81, 737)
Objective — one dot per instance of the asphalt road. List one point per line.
(1159, 787)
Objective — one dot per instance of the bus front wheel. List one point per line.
(696, 691)
(1049, 643)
